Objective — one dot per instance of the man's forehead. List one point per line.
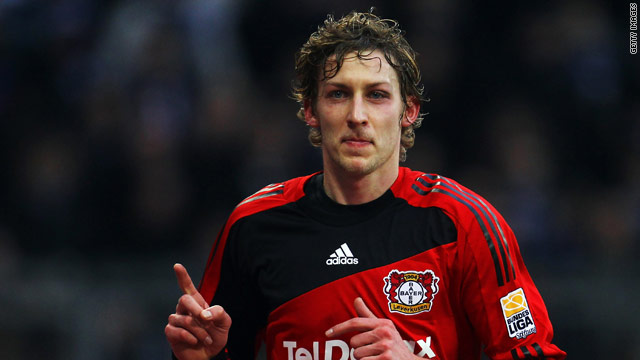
(368, 58)
(374, 60)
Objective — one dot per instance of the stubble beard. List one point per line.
(360, 165)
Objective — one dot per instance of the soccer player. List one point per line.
(365, 259)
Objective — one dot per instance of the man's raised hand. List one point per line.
(196, 331)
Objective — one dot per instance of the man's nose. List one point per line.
(358, 114)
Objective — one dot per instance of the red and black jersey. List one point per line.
(429, 254)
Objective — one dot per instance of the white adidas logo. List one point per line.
(342, 256)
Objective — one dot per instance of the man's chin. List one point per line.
(357, 166)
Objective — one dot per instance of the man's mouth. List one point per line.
(357, 141)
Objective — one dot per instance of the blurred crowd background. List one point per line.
(130, 129)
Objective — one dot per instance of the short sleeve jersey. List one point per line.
(429, 254)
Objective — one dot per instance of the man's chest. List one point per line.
(292, 255)
(308, 275)
(417, 294)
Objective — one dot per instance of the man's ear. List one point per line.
(309, 116)
(411, 111)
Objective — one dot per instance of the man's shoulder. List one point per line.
(271, 196)
(423, 189)
(418, 186)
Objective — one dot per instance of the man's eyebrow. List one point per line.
(335, 84)
(379, 83)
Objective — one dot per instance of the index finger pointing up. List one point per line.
(184, 280)
(186, 285)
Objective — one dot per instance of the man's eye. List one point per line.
(377, 95)
(337, 94)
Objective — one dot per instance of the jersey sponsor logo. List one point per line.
(342, 256)
(338, 349)
(517, 314)
(411, 292)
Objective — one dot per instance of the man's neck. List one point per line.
(350, 189)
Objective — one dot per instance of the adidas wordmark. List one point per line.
(342, 256)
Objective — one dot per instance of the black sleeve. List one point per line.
(238, 293)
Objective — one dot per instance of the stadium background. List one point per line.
(131, 128)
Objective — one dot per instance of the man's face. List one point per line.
(360, 113)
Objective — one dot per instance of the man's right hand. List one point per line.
(196, 331)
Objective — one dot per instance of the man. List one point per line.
(366, 259)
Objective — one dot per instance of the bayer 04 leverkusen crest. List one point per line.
(411, 292)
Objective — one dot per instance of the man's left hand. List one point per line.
(377, 339)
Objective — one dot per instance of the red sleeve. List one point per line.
(511, 319)
(497, 293)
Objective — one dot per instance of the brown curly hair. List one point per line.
(361, 33)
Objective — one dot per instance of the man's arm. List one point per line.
(500, 298)
(196, 331)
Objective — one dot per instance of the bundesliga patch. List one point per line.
(410, 292)
(517, 315)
